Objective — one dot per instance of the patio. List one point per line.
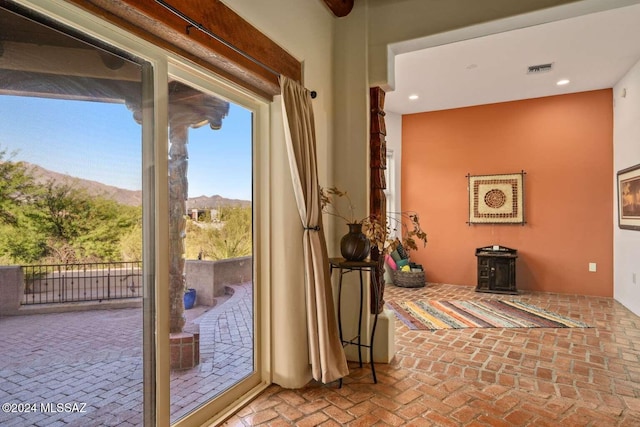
(95, 358)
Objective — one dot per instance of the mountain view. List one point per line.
(215, 202)
(94, 188)
(123, 196)
(52, 218)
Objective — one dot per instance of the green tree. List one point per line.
(78, 227)
(205, 216)
(60, 223)
(60, 207)
(16, 187)
(236, 236)
(104, 225)
(18, 240)
(231, 238)
(22, 244)
(131, 243)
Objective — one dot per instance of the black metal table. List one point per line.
(345, 267)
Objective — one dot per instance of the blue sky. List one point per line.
(102, 142)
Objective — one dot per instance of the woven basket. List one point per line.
(409, 279)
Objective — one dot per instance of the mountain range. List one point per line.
(123, 196)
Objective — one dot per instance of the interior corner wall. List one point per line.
(626, 148)
(563, 143)
(351, 131)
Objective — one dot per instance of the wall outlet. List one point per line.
(592, 267)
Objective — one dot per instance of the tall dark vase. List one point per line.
(354, 246)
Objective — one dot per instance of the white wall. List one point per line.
(626, 153)
(304, 29)
(351, 133)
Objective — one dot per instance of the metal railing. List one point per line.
(100, 281)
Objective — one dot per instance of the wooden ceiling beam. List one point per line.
(151, 21)
(340, 8)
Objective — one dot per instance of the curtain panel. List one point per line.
(328, 361)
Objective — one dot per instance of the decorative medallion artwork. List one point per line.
(496, 199)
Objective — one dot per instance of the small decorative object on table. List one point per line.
(382, 235)
(355, 246)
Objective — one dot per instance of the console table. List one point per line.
(343, 266)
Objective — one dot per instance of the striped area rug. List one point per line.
(431, 315)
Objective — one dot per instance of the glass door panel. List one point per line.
(70, 228)
(211, 286)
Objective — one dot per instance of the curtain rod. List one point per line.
(193, 23)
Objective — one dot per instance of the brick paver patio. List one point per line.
(226, 354)
(95, 358)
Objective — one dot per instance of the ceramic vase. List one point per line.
(354, 246)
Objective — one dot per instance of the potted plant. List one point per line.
(401, 229)
(355, 245)
(189, 298)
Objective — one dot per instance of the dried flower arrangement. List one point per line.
(381, 235)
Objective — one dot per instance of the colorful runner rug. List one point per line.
(431, 315)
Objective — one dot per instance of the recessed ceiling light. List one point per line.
(562, 82)
(413, 97)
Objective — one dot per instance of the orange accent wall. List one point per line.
(563, 143)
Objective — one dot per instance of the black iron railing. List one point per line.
(100, 281)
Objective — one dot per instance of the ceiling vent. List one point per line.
(537, 69)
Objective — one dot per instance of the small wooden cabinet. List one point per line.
(497, 269)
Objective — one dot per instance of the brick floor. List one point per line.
(482, 377)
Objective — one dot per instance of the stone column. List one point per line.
(178, 194)
(188, 107)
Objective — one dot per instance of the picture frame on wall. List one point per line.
(496, 199)
(629, 198)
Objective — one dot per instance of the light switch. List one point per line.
(592, 267)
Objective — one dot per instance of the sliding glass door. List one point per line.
(129, 211)
(211, 247)
(72, 218)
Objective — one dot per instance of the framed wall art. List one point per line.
(496, 199)
(629, 198)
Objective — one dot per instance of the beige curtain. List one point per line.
(328, 362)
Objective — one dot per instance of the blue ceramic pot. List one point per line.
(189, 299)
